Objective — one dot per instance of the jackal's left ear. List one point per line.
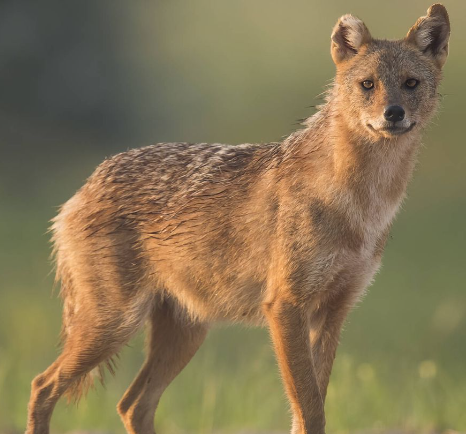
(431, 34)
(348, 36)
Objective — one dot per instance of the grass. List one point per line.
(236, 72)
(401, 359)
(400, 363)
(232, 385)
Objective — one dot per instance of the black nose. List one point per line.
(394, 113)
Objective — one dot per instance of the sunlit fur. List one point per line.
(287, 235)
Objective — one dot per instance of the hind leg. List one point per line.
(46, 389)
(69, 369)
(172, 344)
(92, 339)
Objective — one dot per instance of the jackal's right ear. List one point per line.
(431, 34)
(348, 36)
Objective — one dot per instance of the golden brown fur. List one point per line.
(288, 234)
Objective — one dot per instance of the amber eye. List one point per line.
(367, 84)
(411, 83)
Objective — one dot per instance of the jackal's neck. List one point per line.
(350, 163)
(367, 165)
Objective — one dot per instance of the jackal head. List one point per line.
(389, 88)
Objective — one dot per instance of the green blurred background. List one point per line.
(84, 80)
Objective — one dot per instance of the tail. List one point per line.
(64, 278)
(84, 383)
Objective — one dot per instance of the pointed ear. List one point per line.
(431, 33)
(348, 36)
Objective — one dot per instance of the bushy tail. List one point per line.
(85, 382)
(64, 278)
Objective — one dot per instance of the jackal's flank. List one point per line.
(286, 235)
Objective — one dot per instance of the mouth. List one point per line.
(393, 130)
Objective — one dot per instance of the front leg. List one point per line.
(289, 330)
(325, 324)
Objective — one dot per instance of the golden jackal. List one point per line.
(284, 234)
